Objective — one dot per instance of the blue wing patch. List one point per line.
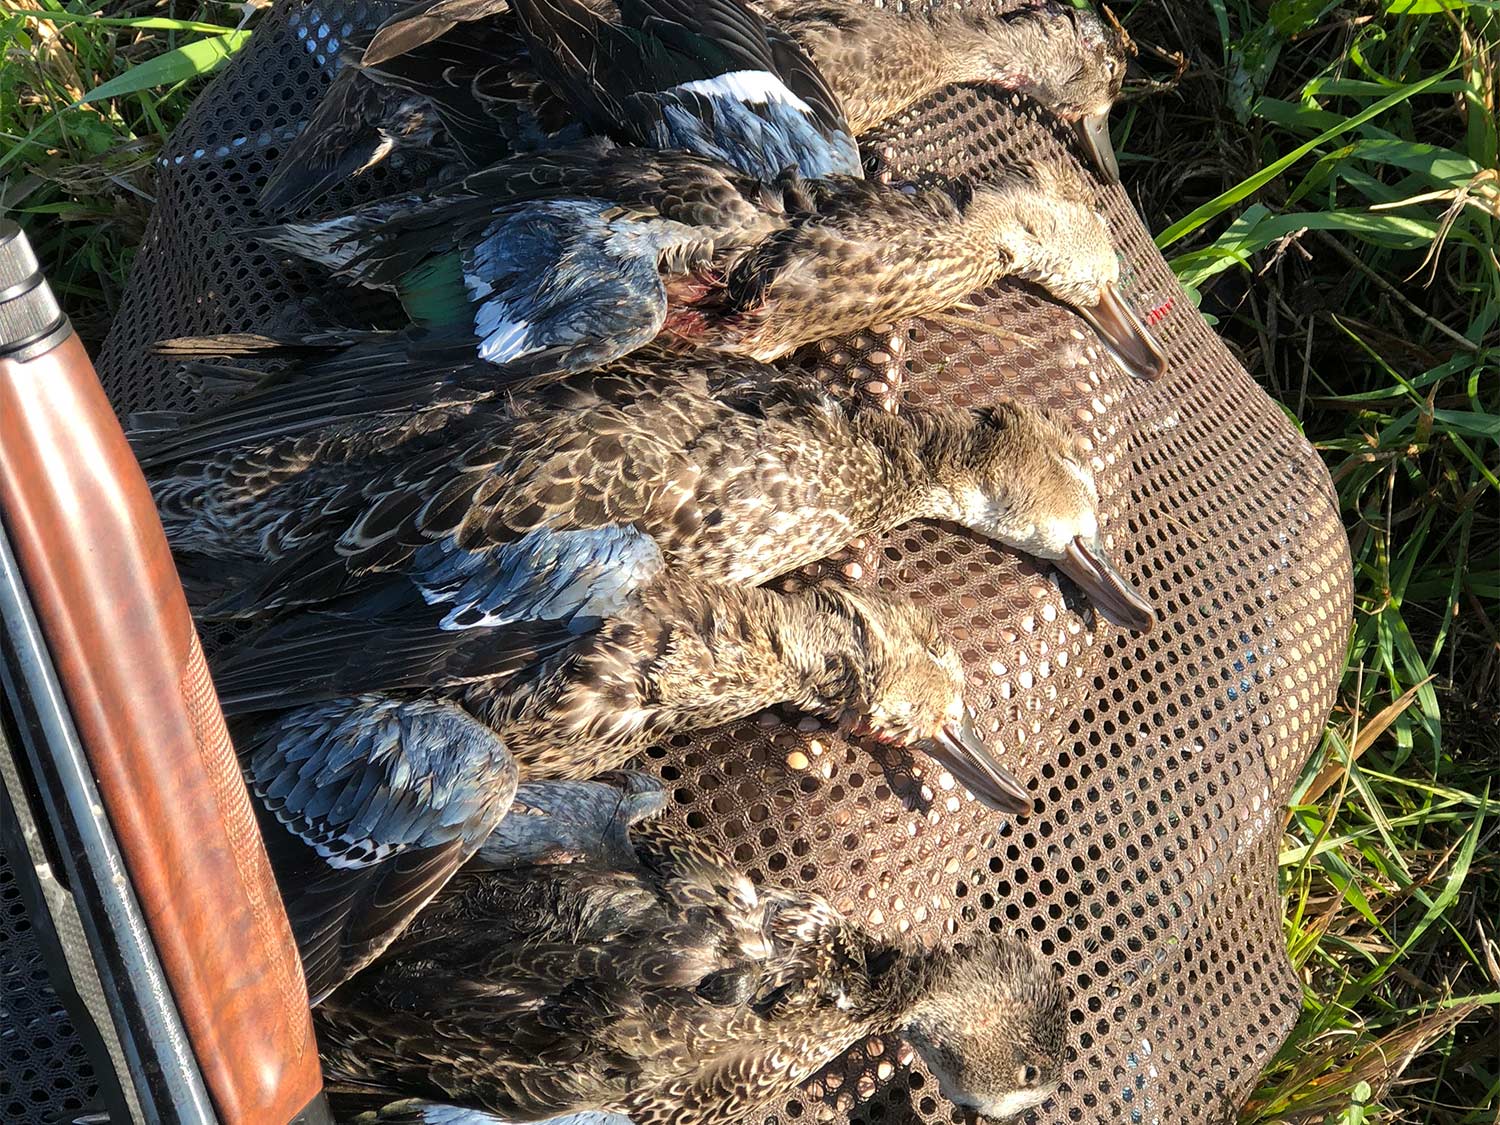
(573, 576)
(749, 119)
(361, 780)
(367, 807)
(572, 279)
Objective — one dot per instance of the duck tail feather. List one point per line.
(368, 388)
(421, 23)
(262, 345)
(202, 378)
(338, 244)
(218, 379)
(144, 426)
(452, 617)
(311, 657)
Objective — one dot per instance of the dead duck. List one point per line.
(712, 78)
(455, 79)
(400, 720)
(739, 474)
(645, 979)
(570, 258)
(880, 61)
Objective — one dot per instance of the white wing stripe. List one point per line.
(754, 87)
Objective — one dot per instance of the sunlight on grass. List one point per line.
(85, 103)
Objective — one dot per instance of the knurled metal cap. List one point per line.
(30, 317)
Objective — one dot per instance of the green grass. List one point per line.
(79, 174)
(1324, 176)
(1324, 179)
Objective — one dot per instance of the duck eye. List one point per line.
(1028, 1075)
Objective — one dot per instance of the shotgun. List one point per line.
(127, 745)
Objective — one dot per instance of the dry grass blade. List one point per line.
(1365, 738)
(1331, 1075)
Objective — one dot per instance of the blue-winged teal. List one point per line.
(710, 77)
(643, 979)
(452, 78)
(563, 654)
(738, 474)
(567, 259)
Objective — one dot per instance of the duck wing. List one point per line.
(560, 286)
(706, 77)
(336, 379)
(462, 98)
(752, 40)
(313, 519)
(541, 274)
(368, 806)
(454, 617)
(357, 124)
(380, 242)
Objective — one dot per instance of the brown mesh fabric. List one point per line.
(1147, 871)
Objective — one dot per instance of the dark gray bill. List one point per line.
(1088, 566)
(1127, 339)
(960, 749)
(1093, 134)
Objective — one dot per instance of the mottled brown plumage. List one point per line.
(409, 721)
(571, 258)
(872, 255)
(649, 978)
(738, 475)
(881, 61)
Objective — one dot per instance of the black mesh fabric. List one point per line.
(1161, 763)
(46, 1075)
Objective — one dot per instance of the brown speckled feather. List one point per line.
(667, 989)
(881, 61)
(738, 475)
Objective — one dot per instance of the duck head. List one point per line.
(1046, 229)
(908, 689)
(1066, 58)
(1021, 477)
(991, 1026)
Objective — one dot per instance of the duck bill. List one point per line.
(1109, 591)
(1093, 135)
(960, 750)
(1127, 339)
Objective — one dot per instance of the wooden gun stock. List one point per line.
(101, 580)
